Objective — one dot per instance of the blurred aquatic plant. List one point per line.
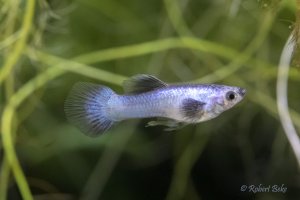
(296, 37)
(282, 99)
(230, 64)
(289, 51)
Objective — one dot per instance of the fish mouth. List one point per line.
(242, 92)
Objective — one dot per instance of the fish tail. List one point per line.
(86, 108)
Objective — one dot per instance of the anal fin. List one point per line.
(171, 124)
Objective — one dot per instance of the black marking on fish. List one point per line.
(142, 83)
(192, 109)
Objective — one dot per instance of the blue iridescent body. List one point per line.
(95, 108)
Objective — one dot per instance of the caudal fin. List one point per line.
(85, 108)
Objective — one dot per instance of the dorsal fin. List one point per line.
(142, 83)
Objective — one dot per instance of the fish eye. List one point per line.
(230, 96)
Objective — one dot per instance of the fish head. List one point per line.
(222, 98)
(209, 101)
(228, 96)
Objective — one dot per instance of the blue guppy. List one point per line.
(95, 108)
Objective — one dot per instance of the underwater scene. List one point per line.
(149, 100)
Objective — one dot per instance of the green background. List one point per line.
(234, 42)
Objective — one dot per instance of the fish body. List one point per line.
(95, 108)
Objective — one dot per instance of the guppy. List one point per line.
(95, 108)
